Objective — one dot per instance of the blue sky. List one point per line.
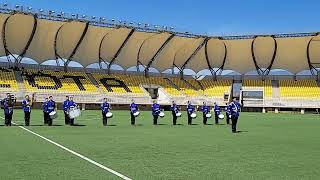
(228, 17)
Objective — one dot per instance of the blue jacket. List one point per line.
(174, 108)
(205, 109)
(216, 109)
(133, 107)
(228, 109)
(66, 105)
(235, 109)
(26, 105)
(51, 106)
(7, 108)
(45, 106)
(105, 107)
(71, 104)
(155, 109)
(190, 108)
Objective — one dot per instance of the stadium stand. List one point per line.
(57, 81)
(265, 85)
(216, 88)
(8, 82)
(302, 89)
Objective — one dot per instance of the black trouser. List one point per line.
(8, 118)
(228, 118)
(216, 116)
(133, 119)
(104, 119)
(155, 119)
(66, 118)
(205, 119)
(189, 119)
(234, 120)
(174, 118)
(27, 118)
(71, 121)
(50, 120)
(45, 117)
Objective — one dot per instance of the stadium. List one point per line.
(275, 78)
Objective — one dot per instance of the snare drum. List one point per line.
(208, 115)
(161, 114)
(136, 114)
(193, 115)
(53, 115)
(74, 112)
(221, 116)
(109, 115)
(178, 114)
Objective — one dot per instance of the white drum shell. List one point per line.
(208, 115)
(221, 116)
(53, 115)
(193, 115)
(161, 114)
(75, 112)
(109, 115)
(136, 114)
(178, 114)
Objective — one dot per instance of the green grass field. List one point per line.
(270, 146)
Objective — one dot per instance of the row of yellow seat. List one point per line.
(254, 84)
(216, 88)
(8, 81)
(68, 85)
(299, 89)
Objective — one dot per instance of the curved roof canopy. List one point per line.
(26, 35)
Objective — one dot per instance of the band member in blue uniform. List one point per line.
(216, 110)
(105, 107)
(228, 113)
(51, 107)
(65, 110)
(8, 104)
(45, 111)
(235, 113)
(205, 110)
(26, 105)
(190, 110)
(174, 109)
(155, 112)
(133, 109)
(71, 105)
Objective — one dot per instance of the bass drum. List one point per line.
(74, 112)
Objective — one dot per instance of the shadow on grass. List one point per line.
(112, 125)
(78, 125)
(242, 131)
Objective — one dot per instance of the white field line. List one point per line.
(75, 153)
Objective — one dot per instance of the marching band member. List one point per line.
(228, 113)
(26, 104)
(235, 113)
(8, 104)
(174, 110)
(155, 112)
(65, 110)
(216, 110)
(105, 107)
(45, 111)
(190, 110)
(71, 105)
(133, 109)
(51, 107)
(205, 110)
